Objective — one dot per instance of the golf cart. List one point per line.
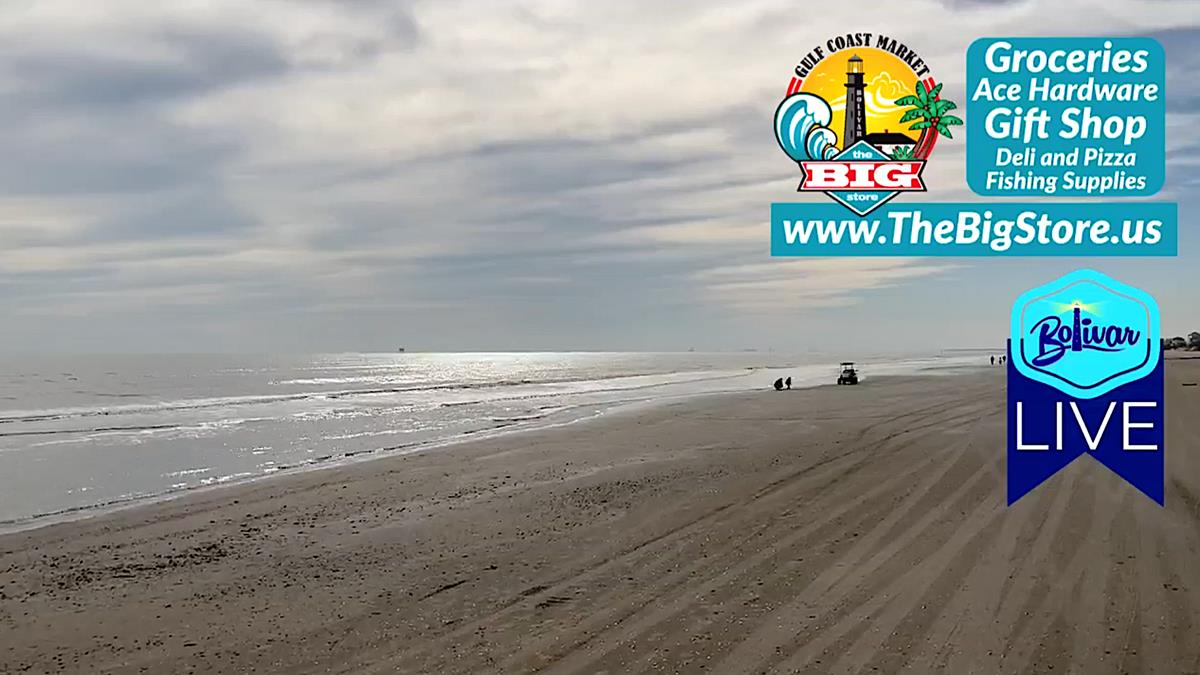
(849, 374)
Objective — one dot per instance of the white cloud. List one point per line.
(809, 283)
(382, 154)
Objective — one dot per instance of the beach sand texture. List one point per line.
(831, 530)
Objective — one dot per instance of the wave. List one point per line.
(177, 489)
(218, 424)
(59, 414)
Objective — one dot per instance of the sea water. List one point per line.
(78, 433)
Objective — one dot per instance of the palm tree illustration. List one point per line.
(930, 112)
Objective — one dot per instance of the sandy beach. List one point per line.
(828, 530)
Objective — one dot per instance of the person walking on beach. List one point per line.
(993, 357)
(779, 384)
(788, 382)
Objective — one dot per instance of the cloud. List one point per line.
(177, 64)
(323, 175)
(793, 285)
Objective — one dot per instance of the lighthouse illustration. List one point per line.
(1077, 330)
(856, 113)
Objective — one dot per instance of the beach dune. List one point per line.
(830, 530)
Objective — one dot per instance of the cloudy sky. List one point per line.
(344, 175)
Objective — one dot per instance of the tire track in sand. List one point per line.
(520, 610)
(739, 580)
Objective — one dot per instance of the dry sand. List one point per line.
(839, 530)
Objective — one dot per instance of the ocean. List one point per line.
(78, 433)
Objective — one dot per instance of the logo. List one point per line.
(1085, 376)
(1085, 334)
(860, 118)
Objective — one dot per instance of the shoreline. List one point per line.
(823, 529)
(91, 511)
(58, 463)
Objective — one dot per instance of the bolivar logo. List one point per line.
(878, 92)
(1085, 334)
(1085, 376)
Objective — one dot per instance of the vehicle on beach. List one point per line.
(849, 375)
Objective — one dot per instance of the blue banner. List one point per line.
(1085, 376)
(1123, 430)
(977, 229)
(1066, 116)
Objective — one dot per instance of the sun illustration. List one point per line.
(887, 78)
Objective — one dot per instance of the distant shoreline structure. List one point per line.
(1191, 343)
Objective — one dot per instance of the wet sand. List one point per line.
(831, 530)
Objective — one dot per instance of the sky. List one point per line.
(357, 175)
